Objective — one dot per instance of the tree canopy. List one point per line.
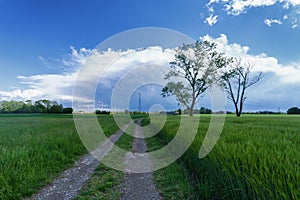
(194, 69)
(40, 106)
(293, 110)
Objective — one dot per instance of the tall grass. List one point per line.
(172, 181)
(35, 149)
(256, 157)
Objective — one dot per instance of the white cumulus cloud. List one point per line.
(211, 20)
(236, 7)
(295, 23)
(269, 22)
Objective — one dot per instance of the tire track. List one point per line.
(69, 183)
(138, 185)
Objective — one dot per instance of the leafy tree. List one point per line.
(195, 68)
(56, 108)
(205, 110)
(47, 104)
(28, 107)
(179, 111)
(68, 110)
(11, 106)
(102, 112)
(236, 80)
(202, 110)
(39, 107)
(293, 110)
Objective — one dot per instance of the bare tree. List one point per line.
(195, 68)
(237, 80)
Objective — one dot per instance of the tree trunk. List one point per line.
(238, 114)
(191, 112)
(192, 106)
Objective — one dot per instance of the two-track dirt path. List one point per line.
(69, 183)
(138, 185)
(134, 187)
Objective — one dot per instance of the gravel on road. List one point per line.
(138, 185)
(69, 183)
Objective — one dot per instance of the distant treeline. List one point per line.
(40, 106)
(290, 111)
(265, 112)
(202, 110)
(102, 112)
(293, 110)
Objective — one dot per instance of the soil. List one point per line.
(69, 183)
(138, 185)
(134, 186)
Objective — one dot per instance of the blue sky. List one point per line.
(49, 38)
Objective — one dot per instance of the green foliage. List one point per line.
(11, 106)
(257, 157)
(40, 106)
(202, 110)
(102, 112)
(195, 68)
(56, 109)
(293, 110)
(205, 110)
(68, 110)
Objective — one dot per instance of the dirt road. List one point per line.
(138, 185)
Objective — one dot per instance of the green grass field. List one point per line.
(256, 157)
(36, 148)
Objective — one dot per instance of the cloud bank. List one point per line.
(107, 67)
(280, 82)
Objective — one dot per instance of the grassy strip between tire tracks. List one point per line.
(105, 182)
